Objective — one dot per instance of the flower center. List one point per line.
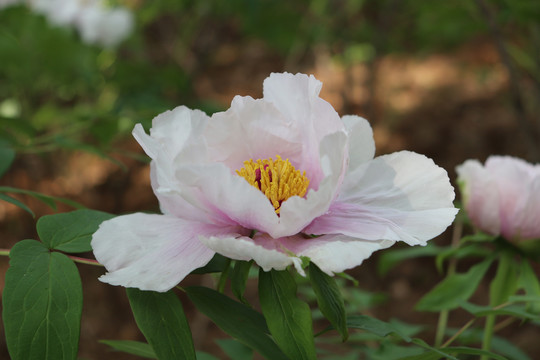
(277, 179)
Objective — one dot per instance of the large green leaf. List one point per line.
(42, 302)
(288, 318)
(236, 319)
(162, 321)
(329, 299)
(456, 288)
(70, 232)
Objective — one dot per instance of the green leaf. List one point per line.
(16, 202)
(530, 283)
(70, 232)
(391, 258)
(472, 351)
(132, 347)
(236, 319)
(375, 326)
(201, 355)
(329, 299)
(216, 264)
(7, 155)
(288, 318)
(479, 238)
(42, 303)
(505, 281)
(48, 200)
(235, 350)
(239, 276)
(463, 251)
(512, 310)
(162, 321)
(454, 289)
(383, 329)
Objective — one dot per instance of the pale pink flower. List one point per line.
(502, 197)
(352, 203)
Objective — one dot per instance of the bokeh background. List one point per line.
(453, 80)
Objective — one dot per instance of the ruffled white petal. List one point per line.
(402, 196)
(337, 253)
(361, 142)
(264, 250)
(297, 99)
(252, 129)
(175, 138)
(152, 252)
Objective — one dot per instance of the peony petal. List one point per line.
(228, 196)
(297, 98)
(264, 250)
(152, 252)
(480, 196)
(335, 253)
(402, 196)
(527, 221)
(232, 140)
(361, 142)
(296, 212)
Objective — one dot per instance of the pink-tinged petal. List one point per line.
(502, 197)
(480, 195)
(296, 212)
(297, 98)
(232, 140)
(361, 142)
(403, 196)
(528, 218)
(152, 252)
(228, 196)
(266, 252)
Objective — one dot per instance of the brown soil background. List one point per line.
(448, 106)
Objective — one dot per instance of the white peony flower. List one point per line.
(502, 197)
(281, 169)
(102, 26)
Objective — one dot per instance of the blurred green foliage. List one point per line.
(57, 92)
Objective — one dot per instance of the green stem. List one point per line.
(224, 276)
(497, 297)
(443, 316)
(488, 335)
(80, 260)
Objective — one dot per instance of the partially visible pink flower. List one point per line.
(283, 168)
(502, 197)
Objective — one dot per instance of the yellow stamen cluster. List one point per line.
(277, 179)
